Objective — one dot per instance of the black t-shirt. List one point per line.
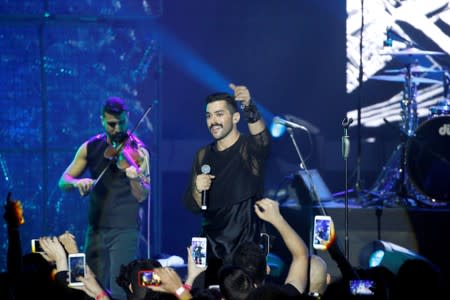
(239, 182)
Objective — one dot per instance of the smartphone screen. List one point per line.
(322, 232)
(198, 246)
(362, 287)
(77, 267)
(36, 246)
(148, 278)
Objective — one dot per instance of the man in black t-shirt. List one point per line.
(234, 179)
(112, 235)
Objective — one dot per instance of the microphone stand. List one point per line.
(310, 187)
(345, 152)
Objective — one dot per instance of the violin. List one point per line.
(125, 154)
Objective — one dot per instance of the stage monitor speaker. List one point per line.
(306, 184)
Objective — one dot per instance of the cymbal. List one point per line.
(414, 69)
(410, 51)
(401, 78)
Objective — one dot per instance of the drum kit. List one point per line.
(418, 171)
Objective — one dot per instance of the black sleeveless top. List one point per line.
(111, 202)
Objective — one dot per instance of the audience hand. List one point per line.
(91, 286)
(54, 252)
(268, 210)
(170, 283)
(193, 269)
(13, 212)
(67, 239)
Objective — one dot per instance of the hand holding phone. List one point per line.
(198, 246)
(77, 268)
(323, 232)
(148, 278)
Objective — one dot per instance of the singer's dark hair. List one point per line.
(220, 96)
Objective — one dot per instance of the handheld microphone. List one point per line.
(278, 120)
(206, 169)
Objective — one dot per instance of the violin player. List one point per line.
(119, 181)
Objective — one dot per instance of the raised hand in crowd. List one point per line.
(13, 214)
(268, 210)
(54, 252)
(67, 239)
(193, 269)
(170, 283)
(91, 286)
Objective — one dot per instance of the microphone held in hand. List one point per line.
(206, 169)
(286, 123)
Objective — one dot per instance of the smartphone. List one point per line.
(198, 246)
(77, 268)
(264, 242)
(362, 287)
(148, 278)
(322, 232)
(36, 246)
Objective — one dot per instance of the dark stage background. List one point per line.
(60, 60)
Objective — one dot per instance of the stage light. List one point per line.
(387, 254)
(277, 130)
(276, 265)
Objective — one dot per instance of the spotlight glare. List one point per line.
(376, 258)
(277, 130)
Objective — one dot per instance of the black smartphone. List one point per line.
(36, 246)
(77, 268)
(148, 278)
(362, 287)
(264, 242)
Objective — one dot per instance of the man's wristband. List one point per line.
(187, 287)
(251, 113)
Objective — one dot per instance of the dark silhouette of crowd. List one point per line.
(245, 275)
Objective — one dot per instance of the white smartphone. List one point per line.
(198, 246)
(36, 246)
(77, 267)
(322, 232)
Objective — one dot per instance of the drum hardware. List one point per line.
(414, 69)
(410, 51)
(401, 78)
(442, 107)
(394, 186)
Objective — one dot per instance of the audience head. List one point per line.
(251, 258)
(235, 283)
(319, 278)
(419, 279)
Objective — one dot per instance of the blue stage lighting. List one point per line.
(277, 130)
(387, 254)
